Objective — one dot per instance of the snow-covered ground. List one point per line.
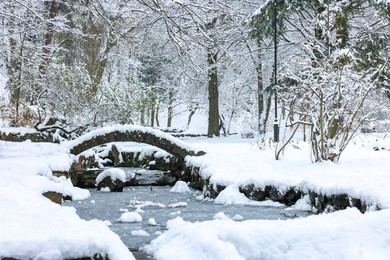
(33, 227)
(362, 173)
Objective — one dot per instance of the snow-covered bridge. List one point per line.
(131, 133)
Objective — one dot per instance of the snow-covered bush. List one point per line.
(330, 101)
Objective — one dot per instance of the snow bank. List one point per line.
(346, 234)
(361, 173)
(33, 227)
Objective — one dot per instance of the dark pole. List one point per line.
(276, 121)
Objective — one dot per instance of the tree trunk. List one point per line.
(213, 120)
(341, 29)
(14, 66)
(262, 123)
(47, 42)
(170, 107)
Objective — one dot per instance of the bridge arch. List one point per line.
(131, 133)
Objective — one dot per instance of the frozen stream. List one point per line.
(158, 203)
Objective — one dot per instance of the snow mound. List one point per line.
(231, 195)
(141, 204)
(345, 234)
(107, 223)
(237, 217)
(178, 205)
(180, 187)
(152, 222)
(139, 233)
(302, 204)
(113, 173)
(220, 215)
(130, 217)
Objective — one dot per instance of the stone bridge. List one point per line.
(131, 133)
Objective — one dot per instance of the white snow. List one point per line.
(129, 128)
(141, 204)
(130, 217)
(231, 195)
(113, 173)
(220, 215)
(233, 162)
(178, 205)
(152, 222)
(175, 213)
(139, 210)
(33, 227)
(107, 223)
(345, 234)
(180, 187)
(139, 233)
(302, 204)
(237, 217)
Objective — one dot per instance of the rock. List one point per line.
(292, 196)
(54, 196)
(273, 193)
(113, 178)
(253, 192)
(114, 186)
(115, 154)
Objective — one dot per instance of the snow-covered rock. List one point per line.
(130, 217)
(178, 205)
(152, 222)
(139, 233)
(180, 187)
(112, 178)
(220, 215)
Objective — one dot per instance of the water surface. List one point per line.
(158, 203)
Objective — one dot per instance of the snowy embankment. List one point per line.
(362, 172)
(32, 227)
(347, 234)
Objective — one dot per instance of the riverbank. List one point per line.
(32, 226)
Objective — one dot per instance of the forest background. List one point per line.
(98, 62)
